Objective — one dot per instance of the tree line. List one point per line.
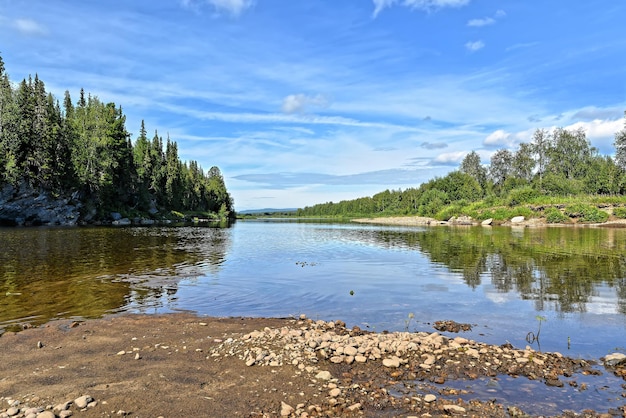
(556, 163)
(85, 147)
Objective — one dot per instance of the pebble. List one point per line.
(453, 408)
(46, 414)
(323, 375)
(614, 359)
(285, 409)
(83, 401)
(63, 406)
(354, 407)
(315, 343)
(391, 362)
(334, 392)
(350, 351)
(12, 411)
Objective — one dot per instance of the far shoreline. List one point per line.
(467, 221)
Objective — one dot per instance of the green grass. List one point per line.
(586, 213)
(554, 215)
(620, 212)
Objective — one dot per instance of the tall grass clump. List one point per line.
(555, 216)
(524, 194)
(586, 213)
(619, 212)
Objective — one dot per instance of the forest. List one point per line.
(84, 149)
(556, 166)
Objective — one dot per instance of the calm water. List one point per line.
(498, 279)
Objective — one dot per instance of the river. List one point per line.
(565, 285)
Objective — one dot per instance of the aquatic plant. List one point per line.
(408, 320)
(531, 337)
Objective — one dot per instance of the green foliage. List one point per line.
(448, 212)
(521, 195)
(432, 201)
(558, 185)
(554, 216)
(586, 213)
(620, 147)
(619, 212)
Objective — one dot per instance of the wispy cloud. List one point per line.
(291, 179)
(426, 5)
(296, 103)
(474, 46)
(30, 27)
(258, 91)
(433, 145)
(231, 7)
(486, 21)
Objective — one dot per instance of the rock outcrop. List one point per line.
(24, 205)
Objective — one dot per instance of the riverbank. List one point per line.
(465, 221)
(186, 365)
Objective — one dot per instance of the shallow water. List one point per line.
(566, 284)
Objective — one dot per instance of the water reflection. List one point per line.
(560, 269)
(88, 272)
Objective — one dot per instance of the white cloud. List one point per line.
(487, 20)
(474, 46)
(296, 103)
(481, 22)
(497, 139)
(232, 7)
(427, 5)
(30, 27)
(598, 128)
(379, 5)
(451, 158)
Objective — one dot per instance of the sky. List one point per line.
(310, 101)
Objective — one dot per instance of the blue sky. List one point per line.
(309, 101)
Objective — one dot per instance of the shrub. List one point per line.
(447, 212)
(555, 216)
(586, 213)
(620, 212)
(558, 185)
(521, 195)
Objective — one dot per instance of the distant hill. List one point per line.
(266, 210)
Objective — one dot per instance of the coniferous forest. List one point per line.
(83, 148)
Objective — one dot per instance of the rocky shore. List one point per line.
(184, 365)
(518, 221)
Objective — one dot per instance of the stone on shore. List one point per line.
(615, 359)
(391, 362)
(285, 409)
(323, 375)
(83, 401)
